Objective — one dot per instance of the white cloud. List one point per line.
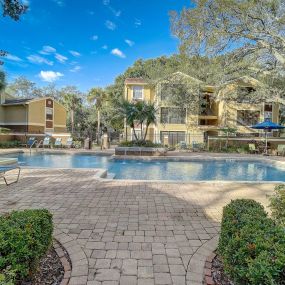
(110, 25)
(138, 23)
(94, 38)
(12, 57)
(59, 2)
(117, 13)
(106, 2)
(104, 47)
(61, 58)
(75, 68)
(129, 42)
(47, 50)
(50, 76)
(75, 53)
(34, 58)
(118, 53)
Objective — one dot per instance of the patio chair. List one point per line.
(30, 142)
(46, 142)
(69, 142)
(281, 149)
(252, 148)
(8, 168)
(58, 142)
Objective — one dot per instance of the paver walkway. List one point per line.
(131, 232)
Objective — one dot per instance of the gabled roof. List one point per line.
(9, 102)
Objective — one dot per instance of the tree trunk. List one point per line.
(136, 137)
(72, 120)
(98, 126)
(145, 134)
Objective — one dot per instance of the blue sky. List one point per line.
(86, 43)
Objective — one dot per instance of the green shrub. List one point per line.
(25, 236)
(10, 144)
(251, 246)
(139, 144)
(277, 205)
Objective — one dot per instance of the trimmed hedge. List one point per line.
(25, 236)
(251, 245)
(10, 144)
(277, 205)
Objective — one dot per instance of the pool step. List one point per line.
(111, 175)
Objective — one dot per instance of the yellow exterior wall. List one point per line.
(223, 113)
(2, 117)
(37, 112)
(60, 116)
(148, 92)
(15, 114)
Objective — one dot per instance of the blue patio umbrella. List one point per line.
(267, 126)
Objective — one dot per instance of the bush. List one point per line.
(25, 236)
(251, 246)
(277, 205)
(139, 144)
(10, 144)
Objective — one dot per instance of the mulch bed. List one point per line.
(51, 270)
(218, 274)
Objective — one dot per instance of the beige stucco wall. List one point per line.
(59, 117)
(37, 112)
(148, 92)
(1, 114)
(15, 114)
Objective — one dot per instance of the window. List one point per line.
(268, 111)
(172, 138)
(138, 92)
(172, 116)
(247, 117)
(49, 114)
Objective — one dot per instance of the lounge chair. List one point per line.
(31, 141)
(281, 149)
(57, 142)
(252, 148)
(46, 142)
(69, 142)
(5, 169)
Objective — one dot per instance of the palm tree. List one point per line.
(71, 102)
(97, 96)
(141, 113)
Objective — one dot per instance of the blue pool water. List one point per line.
(160, 170)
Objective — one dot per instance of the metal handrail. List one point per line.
(35, 141)
(39, 144)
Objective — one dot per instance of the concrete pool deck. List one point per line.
(130, 232)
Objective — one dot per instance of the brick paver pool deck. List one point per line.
(129, 232)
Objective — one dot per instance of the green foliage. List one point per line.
(138, 112)
(10, 144)
(2, 79)
(277, 205)
(25, 237)
(13, 8)
(251, 246)
(7, 277)
(140, 143)
(4, 130)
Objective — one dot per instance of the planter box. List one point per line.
(140, 151)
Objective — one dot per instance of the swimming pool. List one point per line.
(194, 170)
